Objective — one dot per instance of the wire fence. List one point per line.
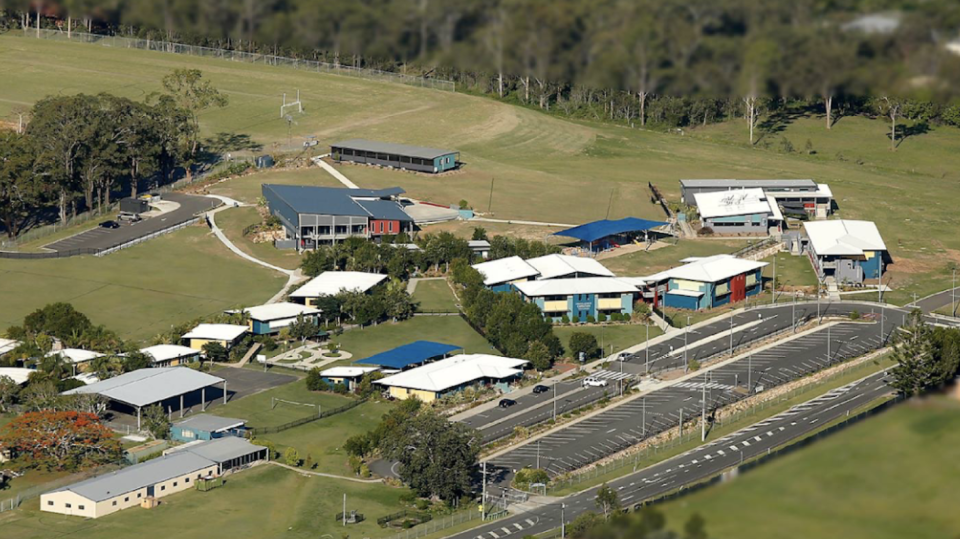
(654, 452)
(256, 431)
(246, 57)
(440, 524)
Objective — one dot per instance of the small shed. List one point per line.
(206, 427)
(134, 205)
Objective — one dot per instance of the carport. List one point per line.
(146, 387)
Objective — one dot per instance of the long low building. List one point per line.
(504, 274)
(388, 154)
(434, 380)
(705, 283)
(331, 283)
(845, 251)
(171, 355)
(744, 211)
(312, 216)
(795, 197)
(226, 335)
(271, 318)
(580, 298)
(153, 479)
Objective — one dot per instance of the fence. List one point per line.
(35, 491)
(383, 522)
(439, 524)
(650, 454)
(239, 56)
(304, 420)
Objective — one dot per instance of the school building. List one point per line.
(225, 334)
(580, 298)
(388, 154)
(171, 355)
(271, 318)
(845, 251)
(739, 212)
(796, 198)
(331, 283)
(434, 380)
(705, 283)
(504, 274)
(206, 427)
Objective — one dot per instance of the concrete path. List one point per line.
(330, 475)
(661, 323)
(334, 172)
(516, 222)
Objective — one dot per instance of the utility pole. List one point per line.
(538, 454)
(681, 423)
(555, 401)
(344, 509)
(953, 294)
(483, 500)
(793, 316)
(648, 347)
(703, 408)
(883, 337)
(829, 359)
(686, 330)
(644, 420)
(563, 521)
(773, 285)
(490, 202)
(731, 336)
(750, 373)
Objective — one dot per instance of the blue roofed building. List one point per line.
(410, 355)
(606, 234)
(312, 216)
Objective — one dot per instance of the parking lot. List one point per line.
(99, 238)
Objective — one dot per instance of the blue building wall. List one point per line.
(177, 433)
(871, 266)
(260, 328)
(503, 287)
(584, 305)
(681, 302)
(445, 162)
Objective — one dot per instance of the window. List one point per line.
(49, 503)
(164, 487)
(188, 434)
(114, 502)
(67, 505)
(174, 483)
(127, 499)
(187, 480)
(80, 507)
(139, 494)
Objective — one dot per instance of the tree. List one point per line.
(695, 528)
(8, 392)
(303, 328)
(41, 394)
(607, 500)
(316, 262)
(194, 94)
(479, 233)
(214, 351)
(437, 457)
(20, 182)
(890, 107)
(90, 403)
(291, 457)
(61, 440)
(105, 367)
(58, 320)
(156, 422)
(585, 343)
(315, 382)
(539, 356)
(136, 360)
(913, 351)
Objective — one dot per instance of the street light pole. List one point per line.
(793, 315)
(731, 336)
(953, 294)
(686, 330)
(644, 420)
(483, 500)
(773, 285)
(563, 521)
(555, 401)
(703, 412)
(648, 346)
(538, 454)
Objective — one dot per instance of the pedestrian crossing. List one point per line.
(508, 529)
(611, 375)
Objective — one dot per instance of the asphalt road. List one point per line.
(701, 344)
(940, 299)
(704, 462)
(106, 238)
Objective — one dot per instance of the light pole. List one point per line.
(563, 521)
(703, 412)
(953, 294)
(644, 420)
(829, 359)
(793, 315)
(773, 285)
(538, 454)
(648, 346)
(555, 400)
(483, 500)
(731, 336)
(686, 330)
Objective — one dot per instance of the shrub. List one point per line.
(575, 320)
(423, 505)
(591, 319)
(291, 457)
(565, 319)
(854, 315)
(364, 471)
(706, 231)
(601, 317)
(693, 365)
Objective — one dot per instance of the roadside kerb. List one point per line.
(662, 385)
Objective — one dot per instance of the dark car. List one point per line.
(540, 389)
(109, 224)
(506, 403)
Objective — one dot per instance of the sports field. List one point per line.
(267, 501)
(435, 297)
(141, 291)
(888, 477)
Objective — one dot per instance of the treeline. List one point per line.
(77, 151)
(927, 357)
(673, 62)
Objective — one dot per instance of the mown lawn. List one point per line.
(446, 329)
(435, 297)
(140, 291)
(612, 338)
(793, 272)
(644, 263)
(234, 220)
(267, 501)
(257, 409)
(888, 477)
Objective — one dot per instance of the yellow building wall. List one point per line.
(687, 285)
(403, 393)
(869, 254)
(555, 306)
(197, 344)
(609, 303)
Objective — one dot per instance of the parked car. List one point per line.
(624, 356)
(590, 381)
(109, 224)
(540, 389)
(506, 403)
(129, 216)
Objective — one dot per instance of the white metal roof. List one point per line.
(647, 279)
(582, 285)
(843, 237)
(478, 244)
(7, 345)
(148, 386)
(279, 311)
(17, 374)
(216, 332)
(456, 371)
(505, 270)
(75, 355)
(715, 268)
(347, 372)
(168, 352)
(210, 423)
(688, 293)
(729, 203)
(331, 283)
(87, 378)
(554, 266)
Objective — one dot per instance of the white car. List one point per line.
(590, 381)
(623, 356)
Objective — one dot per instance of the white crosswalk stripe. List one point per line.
(611, 375)
(699, 385)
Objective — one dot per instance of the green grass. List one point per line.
(140, 291)
(435, 297)
(257, 411)
(247, 188)
(620, 336)
(644, 263)
(890, 476)
(792, 272)
(234, 220)
(453, 330)
(267, 501)
(323, 439)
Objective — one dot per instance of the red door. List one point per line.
(738, 288)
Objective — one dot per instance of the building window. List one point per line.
(127, 499)
(186, 480)
(174, 483)
(80, 507)
(164, 487)
(114, 503)
(67, 505)
(49, 503)
(139, 494)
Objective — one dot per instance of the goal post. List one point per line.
(295, 104)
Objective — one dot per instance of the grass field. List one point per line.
(542, 168)
(890, 476)
(792, 272)
(644, 263)
(256, 409)
(446, 329)
(267, 501)
(234, 220)
(435, 297)
(140, 291)
(612, 338)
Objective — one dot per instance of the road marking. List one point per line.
(757, 438)
(708, 457)
(506, 531)
(495, 536)
(733, 448)
(530, 522)
(517, 526)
